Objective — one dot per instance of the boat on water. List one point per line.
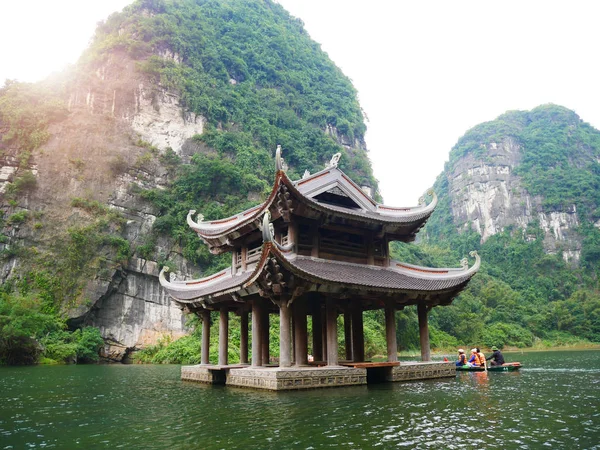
(508, 367)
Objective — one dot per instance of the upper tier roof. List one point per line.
(330, 193)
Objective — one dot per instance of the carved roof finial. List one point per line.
(267, 227)
(279, 162)
(334, 160)
(422, 198)
(190, 221)
(306, 174)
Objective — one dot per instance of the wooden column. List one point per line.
(264, 344)
(370, 249)
(301, 333)
(332, 344)
(223, 336)
(256, 334)
(234, 262)
(244, 337)
(204, 359)
(424, 332)
(293, 336)
(285, 359)
(293, 236)
(358, 336)
(314, 251)
(324, 332)
(317, 330)
(390, 332)
(244, 258)
(348, 333)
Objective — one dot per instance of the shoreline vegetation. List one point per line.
(186, 350)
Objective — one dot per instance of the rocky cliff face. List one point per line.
(487, 196)
(101, 151)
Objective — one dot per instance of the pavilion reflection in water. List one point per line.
(317, 247)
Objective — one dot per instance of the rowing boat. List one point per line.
(507, 367)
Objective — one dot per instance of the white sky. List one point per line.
(426, 71)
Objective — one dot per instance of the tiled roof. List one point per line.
(377, 277)
(187, 291)
(397, 278)
(374, 212)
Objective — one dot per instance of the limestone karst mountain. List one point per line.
(524, 190)
(176, 105)
(527, 168)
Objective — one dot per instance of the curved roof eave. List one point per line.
(186, 292)
(218, 228)
(457, 278)
(382, 214)
(415, 214)
(425, 279)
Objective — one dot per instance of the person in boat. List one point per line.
(481, 357)
(475, 359)
(462, 358)
(497, 358)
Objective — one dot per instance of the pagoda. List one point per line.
(317, 247)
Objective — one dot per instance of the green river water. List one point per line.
(552, 403)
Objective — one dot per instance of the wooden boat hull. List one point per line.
(509, 367)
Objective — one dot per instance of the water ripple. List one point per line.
(149, 407)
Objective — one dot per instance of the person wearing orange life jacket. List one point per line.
(481, 357)
(475, 360)
(462, 358)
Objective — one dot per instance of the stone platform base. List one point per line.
(409, 371)
(209, 374)
(276, 379)
(295, 378)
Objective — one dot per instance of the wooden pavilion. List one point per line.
(316, 247)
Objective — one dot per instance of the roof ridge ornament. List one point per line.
(430, 192)
(306, 174)
(268, 231)
(279, 161)
(199, 218)
(267, 227)
(335, 159)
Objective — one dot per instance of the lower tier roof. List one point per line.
(285, 275)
